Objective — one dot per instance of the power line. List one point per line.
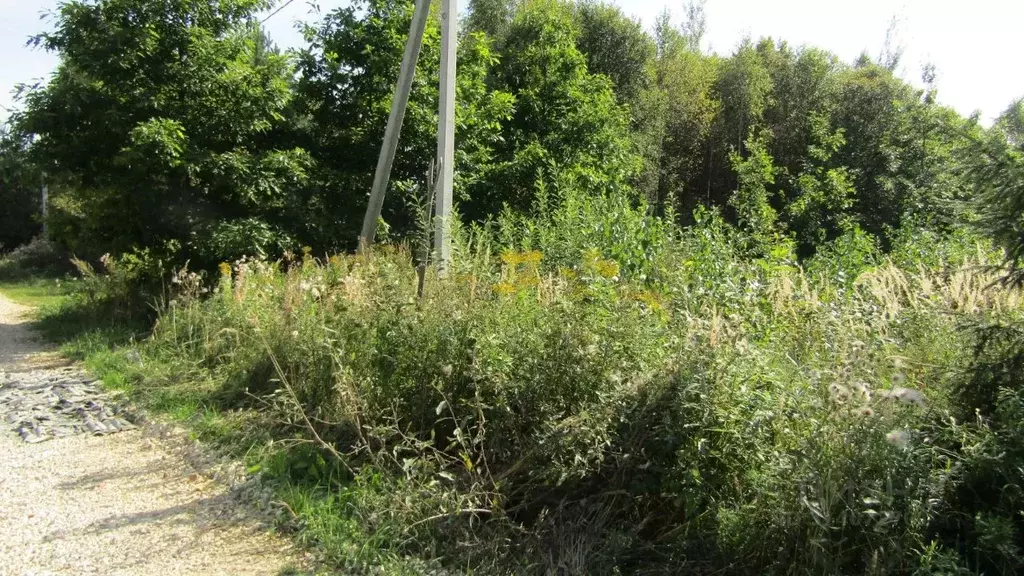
(274, 13)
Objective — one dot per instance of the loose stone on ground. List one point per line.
(41, 405)
(78, 499)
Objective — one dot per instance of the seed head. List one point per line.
(839, 392)
(865, 411)
(899, 438)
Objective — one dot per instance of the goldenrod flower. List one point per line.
(510, 257)
(531, 257)
(608, 269)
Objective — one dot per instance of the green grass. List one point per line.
(36, 292)
(725, 410)
(107, 348)
(110, 350)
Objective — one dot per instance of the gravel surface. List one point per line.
(88, 501)
(41, 405)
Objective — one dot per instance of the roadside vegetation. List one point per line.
(756, 313)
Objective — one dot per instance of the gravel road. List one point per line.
(126, 503)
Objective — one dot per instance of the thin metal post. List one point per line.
(44, 192)
(446, 130)
(394, 127)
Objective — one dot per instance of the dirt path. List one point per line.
(121, 504)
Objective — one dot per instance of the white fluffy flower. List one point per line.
(907, 396)
(839, 392)
(862, 390)
(900, 438)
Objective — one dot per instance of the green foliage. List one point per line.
(191, 128)
(1011, 122)
(990, 392)
(847, 256)
(617, 46)
(886, 152)
(824, 195)
(567, 130)
(686, 80)
(343, 95)
(626, 233)
(595, 390)
(998, 171)
(38, 257)
(156, 129)
(752, 198)
(745, 89)
(19, 193)
(589, 388)
(492, 17)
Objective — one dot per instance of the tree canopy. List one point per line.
(179, 126)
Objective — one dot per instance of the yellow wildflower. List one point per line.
(510, 257)
(531, 257)
(608, 268)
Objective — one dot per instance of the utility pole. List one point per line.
(446, 130)
(394, 127)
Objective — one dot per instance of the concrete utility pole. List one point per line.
(394, 127)
(446, 130)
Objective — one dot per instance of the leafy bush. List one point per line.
(19, 192)
(38, 257)
(694, 410)
(588, 389)
(116, 298)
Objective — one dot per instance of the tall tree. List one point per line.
(686, 79)
(695, 24)
(617, 46)
(492, 17)
(567, 128)
(998, 172)
(1011, 122)
(19, 192)
(745, 89)
(158, 117)
(884, 148)
(343, 98)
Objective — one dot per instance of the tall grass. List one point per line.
(598, 393)
(594, 391)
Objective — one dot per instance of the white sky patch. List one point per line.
(973, 45)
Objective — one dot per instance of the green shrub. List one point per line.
(598, 412)
(37, 257)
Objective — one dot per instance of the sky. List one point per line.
(974, 44)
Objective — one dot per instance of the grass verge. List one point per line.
(112, 348)
(727, 415)
(37, 292)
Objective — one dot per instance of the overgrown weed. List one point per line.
(692, 410)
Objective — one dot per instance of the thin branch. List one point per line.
(446, 514)
(298, 407)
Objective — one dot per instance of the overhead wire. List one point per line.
(274, 13)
